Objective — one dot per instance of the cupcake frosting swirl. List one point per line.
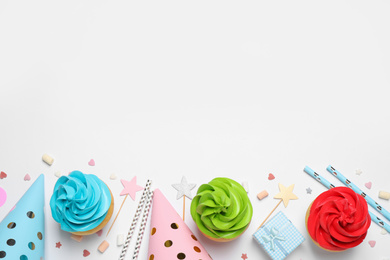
(338, 219)
(80, 202)
(221, 208)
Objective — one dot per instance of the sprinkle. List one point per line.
(308, 190)
(58, 245)
(76, 237)
(91, 162)
(27, 177)
(244, 256)
(103, 246)
(58, 174)
(358, 172)
(120, 239)
(86, 253)
(262, 195)
(368, 185)
(384, 232)
(113, 176)
(3, 175)
(372, 243)
(271, 177)
(99, 233)
(47, 159)
(245, 185)
(384, 195)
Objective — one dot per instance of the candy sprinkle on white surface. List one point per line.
(368, 185)
(113, 176)
(58, 174)
(86, 253)
(91, 162)
(383, 231)
(358, 172)
(27, 177)
(372, 243)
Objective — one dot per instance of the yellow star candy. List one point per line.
(286, 194)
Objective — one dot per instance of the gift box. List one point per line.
(279, 237)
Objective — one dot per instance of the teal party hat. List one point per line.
(22, 231)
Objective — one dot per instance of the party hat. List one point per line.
(170, 238)
(22, 231)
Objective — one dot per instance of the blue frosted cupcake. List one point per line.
(81, 203)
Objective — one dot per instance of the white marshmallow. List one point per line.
(47, 159)
(120, 240)
(246, 186)
(384, 195)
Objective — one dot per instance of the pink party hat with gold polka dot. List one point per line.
(22, 231)
(170, 238)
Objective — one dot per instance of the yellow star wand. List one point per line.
(285, 195)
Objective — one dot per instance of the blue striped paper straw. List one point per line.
(349, 184)
(329, 185)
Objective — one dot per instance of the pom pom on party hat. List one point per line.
(22, 231)
(170, 238)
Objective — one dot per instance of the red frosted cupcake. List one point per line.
(338, 219)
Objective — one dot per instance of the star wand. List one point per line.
(184, 190)
(284, 195)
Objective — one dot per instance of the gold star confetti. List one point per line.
(286, 194)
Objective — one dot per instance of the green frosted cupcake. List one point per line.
(221, 209)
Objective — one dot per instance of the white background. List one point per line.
(202, 89)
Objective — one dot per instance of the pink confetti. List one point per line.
(3, 196)
(244, 256)
(27, 177)
(271, 177)
(86, 253)
(100, 232)
(368, 185)
(91, 162)
(3, 175)
(372, 243)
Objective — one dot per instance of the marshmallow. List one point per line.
(384, 195)
(76, 237)
(47, 159)
(262, 195)
(103, 246)
(120, 240)
(246, 186)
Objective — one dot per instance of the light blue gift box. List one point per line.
(279, 237)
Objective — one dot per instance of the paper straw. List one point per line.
(143, 226)
(135, 219)
(349, 184)
(329, 185)
(318, 178)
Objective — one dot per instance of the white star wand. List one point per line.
(184, 190)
